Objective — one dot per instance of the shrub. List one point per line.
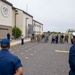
(16, 32)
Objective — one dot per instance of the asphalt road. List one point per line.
(43, 58)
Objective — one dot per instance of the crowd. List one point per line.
(59, 38)
(40, 38)
(53, 38)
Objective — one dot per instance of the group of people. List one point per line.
(54, 38)
(59, 38)
(40, 38)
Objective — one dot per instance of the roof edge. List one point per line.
(23, 11)
(5, 1)
(37, 22)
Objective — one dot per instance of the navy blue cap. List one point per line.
(5, 42)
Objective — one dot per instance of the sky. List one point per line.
(55, 15)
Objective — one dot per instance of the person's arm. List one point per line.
(18, 66)
(19, 71)
(72, 58)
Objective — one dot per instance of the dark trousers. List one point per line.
(22, 41)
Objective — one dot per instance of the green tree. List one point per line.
(48, 32)
(16, 32)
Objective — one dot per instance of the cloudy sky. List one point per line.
(56, 15)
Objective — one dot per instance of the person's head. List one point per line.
(5, 44)
(73, 37)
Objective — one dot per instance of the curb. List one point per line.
(17, 42)
(13, 44)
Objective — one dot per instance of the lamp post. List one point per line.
(16, 12)
(26, 27)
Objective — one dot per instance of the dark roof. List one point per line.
(37, 22)
(23, 11)
(28, 14)
(13, 7)
(7, 2)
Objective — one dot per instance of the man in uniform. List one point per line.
(9, 63)
(72, 57)
(8, 36)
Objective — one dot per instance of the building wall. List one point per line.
(22, 20)
(41, 29)
(27, 20)
(4, 30)
(38, 27)
(19, 20)
(13, 17)
(5, 19)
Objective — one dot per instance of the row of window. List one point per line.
(3, 29)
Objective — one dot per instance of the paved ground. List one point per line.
(43, 58)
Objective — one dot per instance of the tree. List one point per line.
(16, 32)
(48, 32)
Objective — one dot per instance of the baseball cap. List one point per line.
(5, 42)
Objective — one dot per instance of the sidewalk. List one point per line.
(15, 42)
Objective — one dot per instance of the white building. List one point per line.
(38, 27)
(70, 31)
(11, 16)
(23, 20)
(5, 18)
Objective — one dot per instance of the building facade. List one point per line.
(11, 16)
(5, 18)
(37, 27)
(70, 31)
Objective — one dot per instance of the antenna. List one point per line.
(26, 7)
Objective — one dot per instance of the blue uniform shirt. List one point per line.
(72, 60)
(9, 63)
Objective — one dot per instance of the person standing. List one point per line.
(72, 57)
(22, 40)
(71, 39)
(9, 63)
(56, 39)
(62, 38)
(8, 36)
(33, 35)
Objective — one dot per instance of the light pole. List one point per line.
(16, 12)
(26, 27)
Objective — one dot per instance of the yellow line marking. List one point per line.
(13, 44)
(62, 51)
